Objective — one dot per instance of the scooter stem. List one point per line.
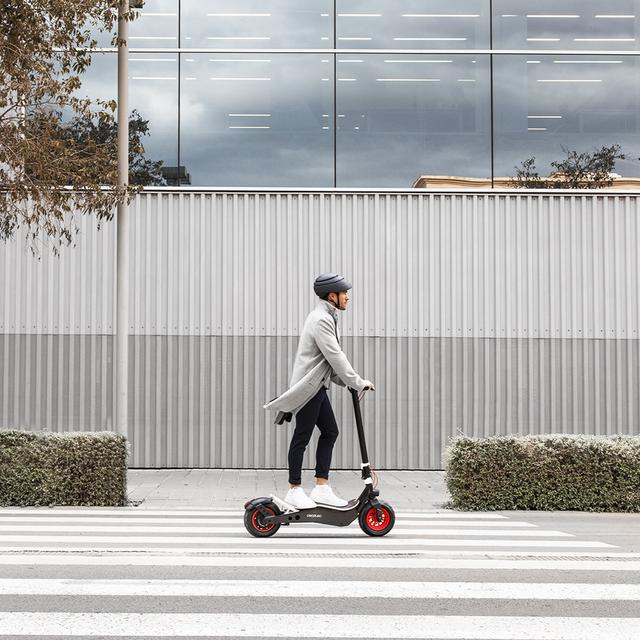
(366, 471)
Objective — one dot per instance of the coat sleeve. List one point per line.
(325, 337)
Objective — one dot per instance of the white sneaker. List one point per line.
(297, 498)
(323, 494)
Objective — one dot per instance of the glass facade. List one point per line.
(378, 93)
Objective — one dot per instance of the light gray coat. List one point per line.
(319, 361)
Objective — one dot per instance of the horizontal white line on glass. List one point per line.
(509, 15)
(153, 13)
(465, 80)
(324, 15)
(324, 61)
(533, 61)
(440, 15)
(543, 39)
(324, 79)
(419, 61)
(249, 79)
(571, 80)
(604, 39)
(407, 79)
(324, 38)
(431, 39)
(347, 79)
(357, 128)
(249, 127)
(189, 59)
(239, 15)
(239, 60)
(325, 115)
(545, 117)
(587, 62)
(353, 38)
(552, 15)
(350, 60)
(191, 78)
(152, 59)
(238, 38)
(325, 127)
(359, 15)
(152, 78)
(537, 129)
(613, 15)
(250, 115)
(152, 38)
(341, 115)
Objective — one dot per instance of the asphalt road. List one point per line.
(129, 573)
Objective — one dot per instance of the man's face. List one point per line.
(341, 299)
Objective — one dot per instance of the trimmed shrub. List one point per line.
(84, 469)
(547, 473)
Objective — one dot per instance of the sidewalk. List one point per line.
(230, 488)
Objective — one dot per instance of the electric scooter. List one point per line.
(264, 516)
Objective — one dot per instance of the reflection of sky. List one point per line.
(413, 24)
(248, 24)
(545, 102)
(567, 24)
(257, 119)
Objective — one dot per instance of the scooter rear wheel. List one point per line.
(254, 522)
(371, 525)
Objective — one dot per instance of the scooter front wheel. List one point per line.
(255, 524)
(374, 525)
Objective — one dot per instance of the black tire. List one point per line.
(254, 524)
(369, 523)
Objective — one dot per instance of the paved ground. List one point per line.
(230, 488)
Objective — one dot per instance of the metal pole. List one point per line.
(122, 245)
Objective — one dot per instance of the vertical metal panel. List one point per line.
(477, 313)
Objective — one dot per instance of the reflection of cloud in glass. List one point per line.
(534, 117)
(567, 24)
(246, 24)
(413, 24)
(256, 120)
(409, 115)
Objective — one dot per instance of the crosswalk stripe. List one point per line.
(321, 589)
(10, 520)
(299, 530)
(335, 539)
(137, 511)
(156, 557)
(306, 626)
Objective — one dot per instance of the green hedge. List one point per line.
(88, 469)
(554, 472)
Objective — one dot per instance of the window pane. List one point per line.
(566, 24)
(401, 117)
(254, 24)
(257, 119)
(413, 24)
(156, 25)
(153, 94)
(543, 103)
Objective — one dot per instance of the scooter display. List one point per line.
(264, 516)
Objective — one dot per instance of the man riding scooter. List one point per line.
(319, 361)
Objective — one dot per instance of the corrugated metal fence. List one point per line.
(474, 313)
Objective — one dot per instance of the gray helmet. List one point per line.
(327, 283)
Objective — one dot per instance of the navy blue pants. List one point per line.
(318, 412)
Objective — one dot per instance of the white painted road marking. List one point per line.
(305, 560)
(298, 530)
(293, 539)
(320, 589)
(306, 626)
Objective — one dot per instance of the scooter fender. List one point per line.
(257, 502)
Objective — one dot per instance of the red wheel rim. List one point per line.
(372, 519)
(260, 526)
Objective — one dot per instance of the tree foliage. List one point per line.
(44, 48)
(577, 171)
